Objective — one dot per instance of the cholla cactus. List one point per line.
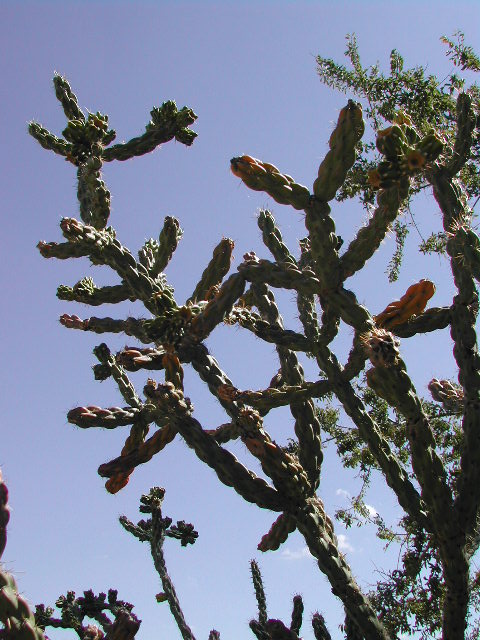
(439, 497)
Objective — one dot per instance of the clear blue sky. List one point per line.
(248, 71)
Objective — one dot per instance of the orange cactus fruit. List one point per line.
(246, 166)
(117, 482)
(411, 304)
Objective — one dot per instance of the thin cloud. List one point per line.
(298, 554)
(343, 543)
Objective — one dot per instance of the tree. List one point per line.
(425, 136)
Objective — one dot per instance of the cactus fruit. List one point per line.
(381, 347)
(262, 176)
(406, 153)
(410, 304)
(340, 158)
(449, 394)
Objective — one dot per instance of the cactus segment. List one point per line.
(410, 304)
(4, 514)
(341, 157)
(406, 153)
(262, 176)
(15, 614)
(277, 534)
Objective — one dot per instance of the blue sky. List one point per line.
(248, 71)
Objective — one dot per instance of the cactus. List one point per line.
(428, 456)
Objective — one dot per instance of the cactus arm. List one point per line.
(15, 613)
(341, 157)
(216, 270)
(125, 464)
(278, 533)
(393, 384)
(228, 469)
(268, 332)
(466, 121)
(272, 398)
(168, 240)
(369, 237)
(430, 320)
(395, 475)
(125, 386)
(166, 123)
(48, 140)
(324, 243)
(86, 292)
(307, 426)
(312, 524)
(259, 593)
(130, 326)
(104, 249)
(111, 418)
(92, 193)
(356, 358)
(67, 98)
(272, 237)
(449, 196)
(136, 358)
(218, 307)
(62, 250)
(320, 630)
(285, 275)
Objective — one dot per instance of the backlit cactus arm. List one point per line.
(320, 630)
(216, 270)
(4, 514)
(369, 237)
(466, 121)
(167, 123)
(324, 244)
(228, 469)
(307, 311)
